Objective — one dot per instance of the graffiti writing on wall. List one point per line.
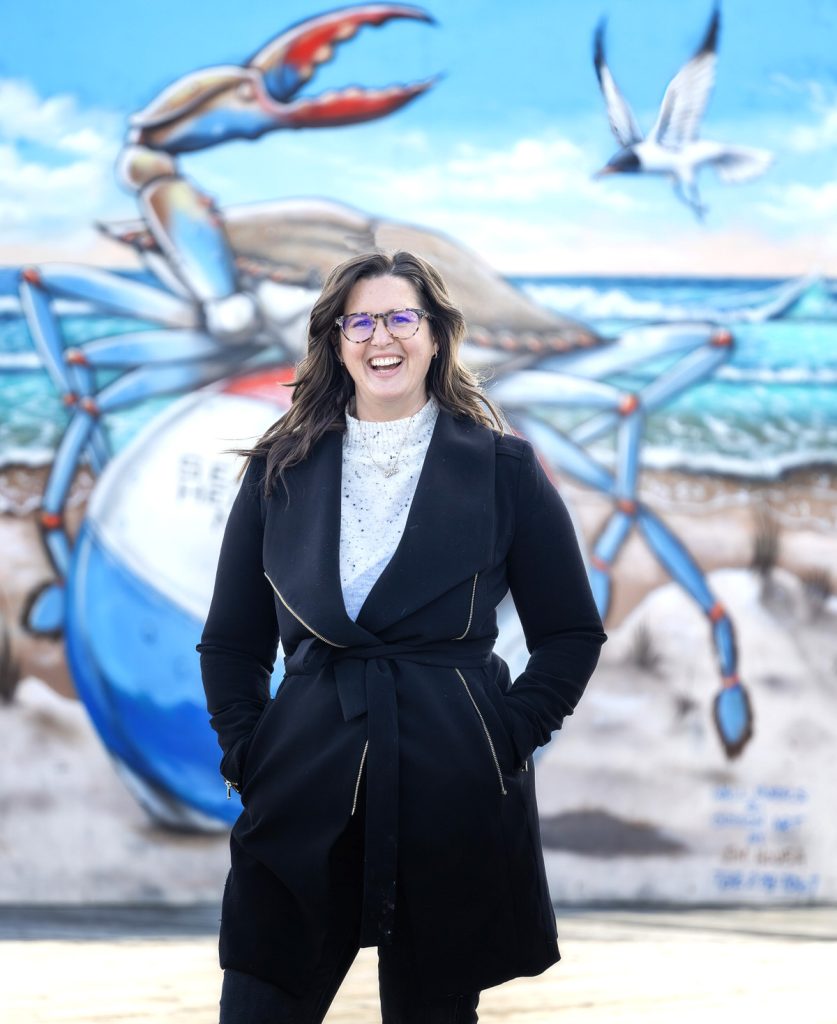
(763, 829)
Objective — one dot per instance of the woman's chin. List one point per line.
(392, 403)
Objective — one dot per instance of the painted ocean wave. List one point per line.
(629, 302)
(780, 375)
(19, 362)
(762, 467)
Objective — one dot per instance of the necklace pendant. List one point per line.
(390, 471)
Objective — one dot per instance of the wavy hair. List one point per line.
(322, 386)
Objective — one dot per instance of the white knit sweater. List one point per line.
(374, 507)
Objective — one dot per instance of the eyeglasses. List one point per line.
(400, 324)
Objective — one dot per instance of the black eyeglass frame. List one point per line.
(421, 313)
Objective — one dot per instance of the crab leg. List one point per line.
(46, 610)
(75, 384)
(731, 708)
(691, 369)
(632, 349)
(111, 293)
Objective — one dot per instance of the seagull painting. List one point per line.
(672, 147)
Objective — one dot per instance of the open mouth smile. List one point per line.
(385, 364)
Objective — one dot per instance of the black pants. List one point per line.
(246, 999)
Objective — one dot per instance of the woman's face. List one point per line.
(397, 389)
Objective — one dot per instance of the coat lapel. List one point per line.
(302, 543)
(447, 538)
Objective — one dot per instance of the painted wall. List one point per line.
(675, 366)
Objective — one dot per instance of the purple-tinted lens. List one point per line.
(402, 322)
(358, 325)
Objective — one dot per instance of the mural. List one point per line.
(689, 420)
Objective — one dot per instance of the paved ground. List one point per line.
(141, 964)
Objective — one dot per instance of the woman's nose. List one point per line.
(380, 336)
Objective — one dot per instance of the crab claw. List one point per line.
(213, 105)
(290, 60)
(350, 106)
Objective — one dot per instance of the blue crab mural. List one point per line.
(221, 324)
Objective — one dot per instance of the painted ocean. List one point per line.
(772, 408)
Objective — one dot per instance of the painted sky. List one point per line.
(500, 154)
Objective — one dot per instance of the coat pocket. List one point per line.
(246, 761)
(231, 765)
(487, 732)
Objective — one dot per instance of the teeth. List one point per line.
(322, 54)
(385, 361)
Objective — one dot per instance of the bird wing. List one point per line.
(622, 121)
(687, 94)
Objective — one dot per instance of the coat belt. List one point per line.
(365, 683)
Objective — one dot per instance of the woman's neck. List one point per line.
(378, 415)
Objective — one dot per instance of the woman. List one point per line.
(388, 787)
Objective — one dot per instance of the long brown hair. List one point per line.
(323, 387)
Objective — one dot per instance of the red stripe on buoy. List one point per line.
(265, 385)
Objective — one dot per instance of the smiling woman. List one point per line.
(337, 373)
(388, 788)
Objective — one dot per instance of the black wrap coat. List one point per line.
(408, 699)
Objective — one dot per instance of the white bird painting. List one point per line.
(672, 147)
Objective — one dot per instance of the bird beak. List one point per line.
(605, 170)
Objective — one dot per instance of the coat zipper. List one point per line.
(359, 776)
(299, 619)
(470, 609)
(485, 730)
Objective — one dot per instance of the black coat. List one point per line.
(410, 697)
